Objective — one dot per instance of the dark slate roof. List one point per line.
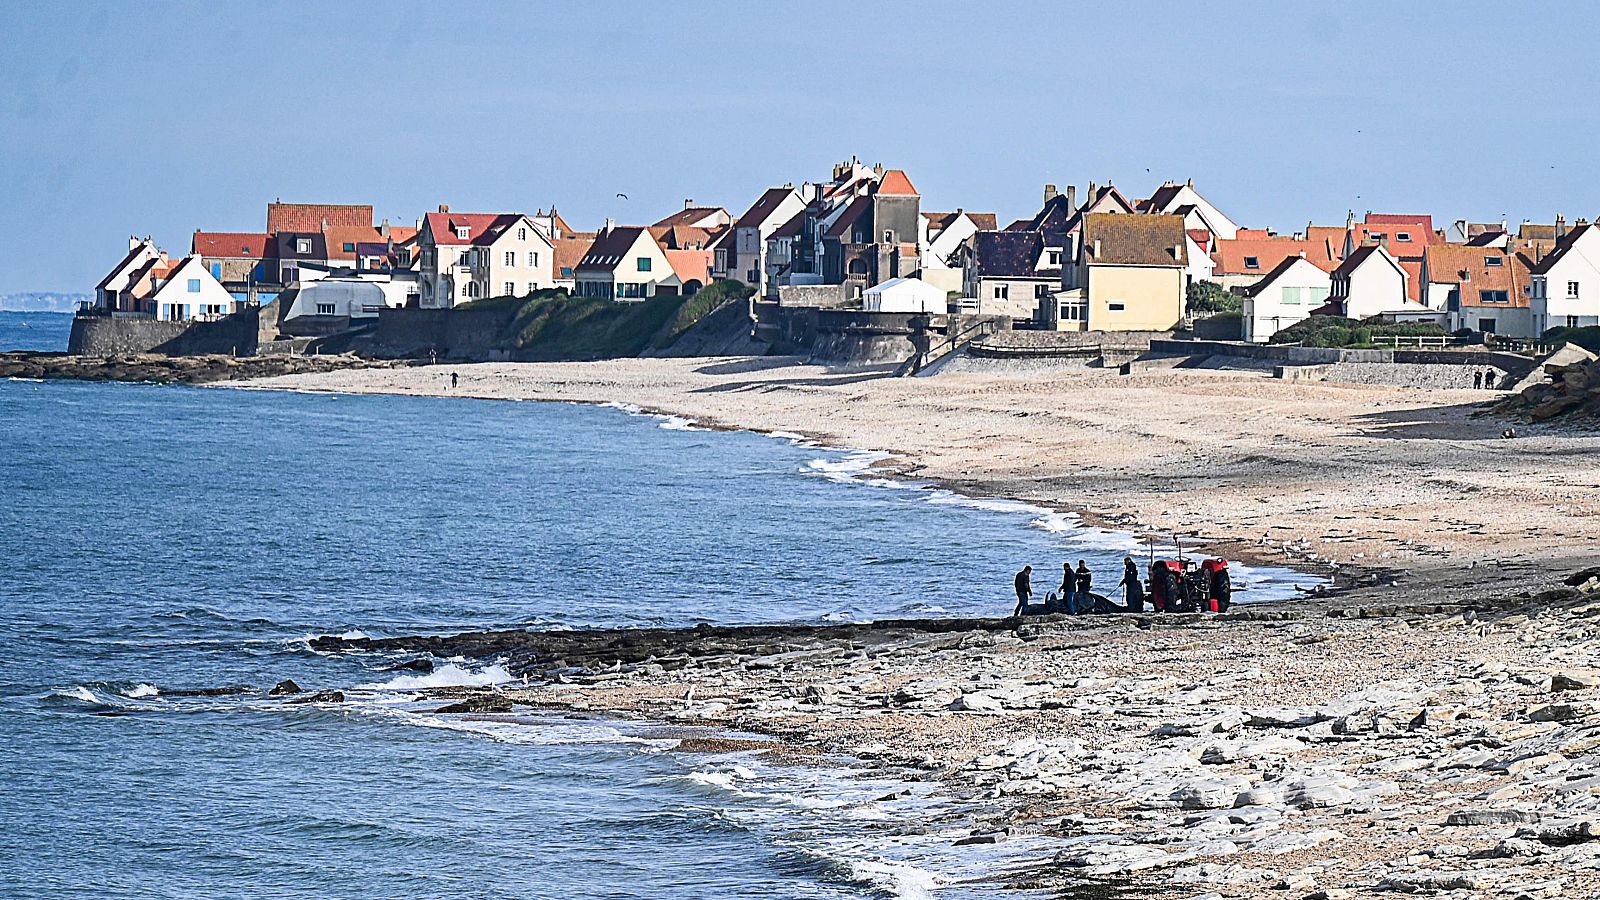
(1561, 249)
(1354, 260)
(1136, 240)
(1158, 201)
(857, 208)
(792, 227)
(1007, 254)
(763, 207)
(609, 247)
(1283, 266)
(688, 215)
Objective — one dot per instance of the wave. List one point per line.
(141, 690)
(447, 675)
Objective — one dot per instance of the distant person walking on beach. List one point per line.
(454, 379)
(1068, 591)
(1477, 380)
(1024, 583)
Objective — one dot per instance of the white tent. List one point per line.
(905, 295)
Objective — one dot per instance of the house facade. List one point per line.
(1566, 283)
(944, 235)
(625, 264)
(1482, 287)
(1284, 296)
(468, 256)
(743, 256)
(245, 263)
(187, 291)
(1009, 273)
(1181, 199)
(1371, 282)
(142, 252)
(1129, 274)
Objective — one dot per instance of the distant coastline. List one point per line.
(42, 302)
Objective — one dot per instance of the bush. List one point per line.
(558, 326)
(1301, 332)
(711, 298)
(1361, 336)
(1332, 336)
(1587, 337)
(1208, 297)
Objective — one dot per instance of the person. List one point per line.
(1133, 589)
(1477, 380)
(454, 379)
(1069, 590)
(1024, 583)
(1085, 580)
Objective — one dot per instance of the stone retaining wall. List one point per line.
(233, 335)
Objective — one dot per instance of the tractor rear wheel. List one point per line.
(1222, 589)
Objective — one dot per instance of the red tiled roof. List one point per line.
(482, 228)
(1123, 239)
(232, 245)
(683, 237)
(310, 216)
(1467, 266)
(1269, 252)
(690, 265)
(569, 252)
(894, 182)
(1423, 222)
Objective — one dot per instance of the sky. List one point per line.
(162, 118)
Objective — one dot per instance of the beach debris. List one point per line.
(1570, 389)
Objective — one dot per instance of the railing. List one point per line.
(1517, 345)
(1420, 341)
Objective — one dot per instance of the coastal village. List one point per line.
(1100, 261)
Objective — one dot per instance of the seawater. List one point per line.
(156, 540)
(34, 330)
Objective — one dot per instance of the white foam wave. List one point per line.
(79, 692)
(141, 690)
(678, 423)
(896, 879)
(447, 675)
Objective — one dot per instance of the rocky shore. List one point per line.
(163, 369)
(1421, 738)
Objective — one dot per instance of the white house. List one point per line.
(1177, 199)
(944, 234)
(189, 291)
(745, 257)
(358, 295)
(1372, 282)
(625, 263)
(905, 295)
(1284, 296)
(141, 252)
(465, 256)
(1566, 283)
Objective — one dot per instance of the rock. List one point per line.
(1316, 792)
(988, 837)
(1211, 793)
(1574, 681)
(321, 697)
(479, 703)
(1561, 712)
(1115, 859)
(1582, 576)
(1479, 817)
(1420, 882)
(1566, 833)
(975, 703)
(286, 686)
(420, 664)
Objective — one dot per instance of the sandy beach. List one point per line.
(1428, 727)
(1348, 475)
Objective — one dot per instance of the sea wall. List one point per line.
(850, 337)
(459, 334)
(233, 335)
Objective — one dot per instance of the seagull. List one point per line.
(623, 196)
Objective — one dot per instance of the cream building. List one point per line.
(469, 256)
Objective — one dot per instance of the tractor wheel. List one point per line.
(1170, 590)
(1222, 589)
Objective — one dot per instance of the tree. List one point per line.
(1210, 297)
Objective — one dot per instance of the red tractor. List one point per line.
(1182, 585)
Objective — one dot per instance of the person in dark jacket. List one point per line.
(1133, 588)
(1024, 584)
(1068, 592)
(1085, 580)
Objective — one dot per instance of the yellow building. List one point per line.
(1129, 275)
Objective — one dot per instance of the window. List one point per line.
(302, 246)
(1572, 321)
(511, 289)
(1402, 236)
(349, 247)
(644, 263)
(1252, 262)
(522, 234)
(1002, 291)
(194, 285)
(888, 235)
(1493, 297)
(1486, 325)
(533, 259)
(216, 270)
(1041, 291)
(1052, 257)
(472, 289)
(1319, 295)
(1292, 295)
(532, 287)
(566, 271)
(1378, 236)
(462, 232)
(1572, 289)
(405, 257)
(511, 257)
(1492, 261)
(324, 309)
(1116, 307)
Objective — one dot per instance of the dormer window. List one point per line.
(1492, 261)
(302, 246)
(1378, 236)
(1252, 262)
(463, 232)
(1402, 236)
(1053, 257)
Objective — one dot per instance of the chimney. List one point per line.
(1072, 198)
(1177, 251)
(1090, 198)
(134, 242)
(1096, 248)
(1189, 183)
(384, 228)
(610, 224)
(688, 203)
(1049, 192)
(1561, 226)
(444, 207)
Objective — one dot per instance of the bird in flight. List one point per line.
(623, 196)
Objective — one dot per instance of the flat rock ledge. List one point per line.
(161, 369)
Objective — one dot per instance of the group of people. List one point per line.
(1076, 596)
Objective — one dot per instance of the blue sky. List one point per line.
(162, 118)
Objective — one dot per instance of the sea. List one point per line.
(158, 541)
(34, 330)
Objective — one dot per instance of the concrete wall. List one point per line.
(236, 335)
(821, 296)
(462, 334)
(855, 338)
